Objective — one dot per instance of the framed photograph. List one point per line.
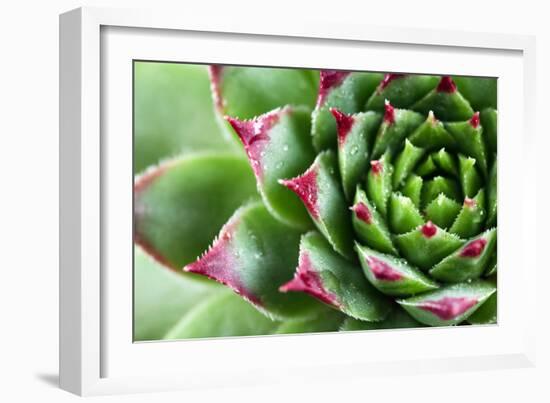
(243, 202)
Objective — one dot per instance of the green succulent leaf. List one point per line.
(173, 113)
(320, 190)
(402, 90)
(246, 92)
(442, 211)
(325, 275)
(492, 265)
(398, 318)
(449, 305)
(427, 167)
(406, 162)
(492, 197)
(327, 320)
(445, 102)
(222, 314)
(369, 225)
(413, 189)
(427, 245)
(471, 217)
(391, 275)
(469, 177)
(355, 134)
(396, 126)
(379, 183)
(486, 314)
(434, 187)
(278, 146)
(431, 134)
(445, 162)
(403, 215)
(469, 140)
(176, 211)
(481, 92)
(468, 262)
(489, 118)
(342, 90)
(396, 172)
(253, 255)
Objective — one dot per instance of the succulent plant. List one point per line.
(358, 201)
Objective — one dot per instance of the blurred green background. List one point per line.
(173, 112)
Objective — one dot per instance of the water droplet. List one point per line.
(354, 150)
(285, 147)
(279, 165)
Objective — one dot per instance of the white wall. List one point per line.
(29, 186)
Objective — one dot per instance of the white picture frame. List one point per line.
(96, 354)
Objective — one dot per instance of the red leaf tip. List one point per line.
(307, 279)
(328, 80)
(446, 85)
(376, 166)
(305, 187)
(448, 308)
(254, 135)
(389, 113)
(471, 203)
(474, 248)
(344, 123)
(474, 121)
(429, 229)
(220, 263)
(362, 212)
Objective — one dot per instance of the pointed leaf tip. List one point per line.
(253, 254)
(305, 187)
(344, 123)
(474, 121)
(429, 229)
(254, 134)
(218, 263)
(431, 118)
(389, 113)
(446, 85)
(328, 80)
(376, 166)
(471, 203)
(362, 212)
(325, 275)
(308, 280)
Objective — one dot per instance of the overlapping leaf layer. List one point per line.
(375, 207)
